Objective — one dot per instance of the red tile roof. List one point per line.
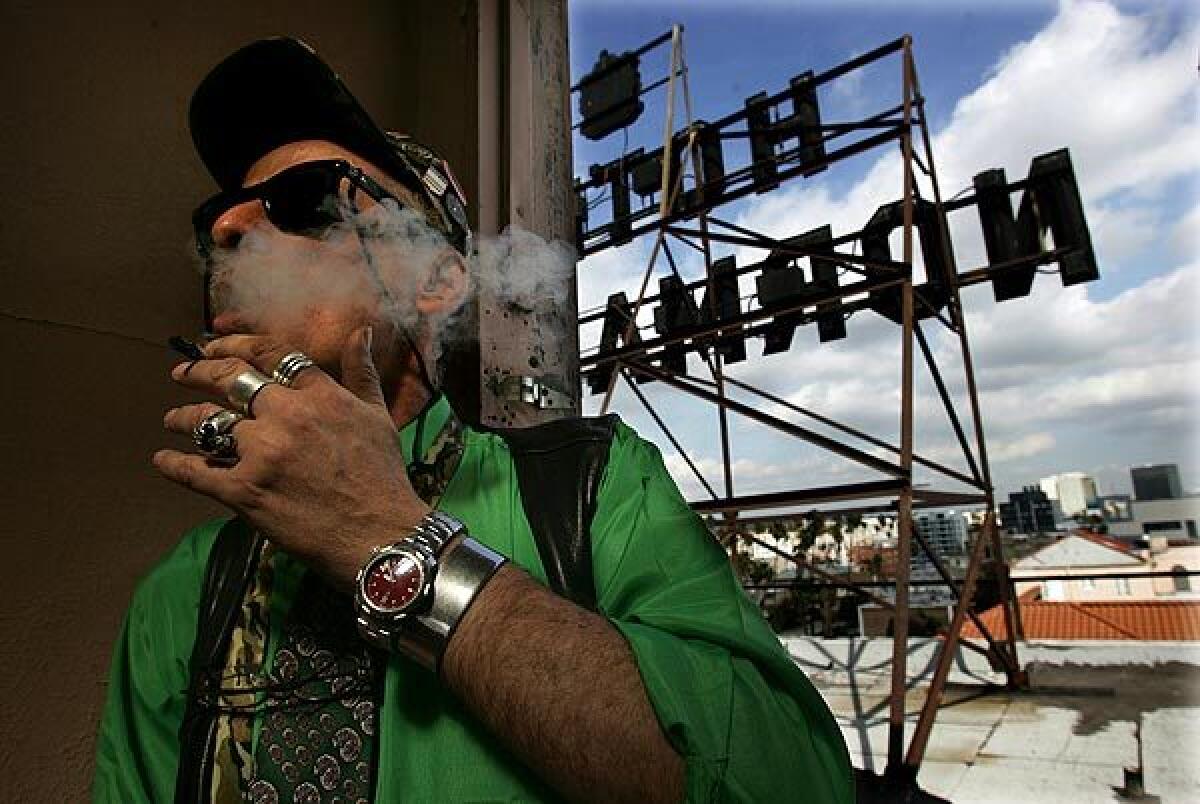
(1135, 619)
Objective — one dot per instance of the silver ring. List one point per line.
(214, 436)
(290, 366)
(246, 386)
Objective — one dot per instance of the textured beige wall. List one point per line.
(98, 183)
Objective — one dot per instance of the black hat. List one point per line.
(275, 91)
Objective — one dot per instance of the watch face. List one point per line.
(394, 582)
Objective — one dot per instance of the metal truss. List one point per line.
(878, 283)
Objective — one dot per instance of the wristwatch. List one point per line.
(409, 597)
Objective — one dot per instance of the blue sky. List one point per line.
(1093, 378)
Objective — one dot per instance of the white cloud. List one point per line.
(1185, 235)
(1067, 381)
(1022, 447)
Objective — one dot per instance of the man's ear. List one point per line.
(444, 287)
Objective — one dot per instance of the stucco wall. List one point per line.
(98, 183)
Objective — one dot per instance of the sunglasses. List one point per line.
(303, 200)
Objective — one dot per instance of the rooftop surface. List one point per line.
(1094, 709)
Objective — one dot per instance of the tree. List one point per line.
(876, 565)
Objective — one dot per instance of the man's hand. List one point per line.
(320, 470)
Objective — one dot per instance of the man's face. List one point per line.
(312, 292)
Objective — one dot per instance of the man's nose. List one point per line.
(235, 222)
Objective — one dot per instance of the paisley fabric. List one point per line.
(319, 742)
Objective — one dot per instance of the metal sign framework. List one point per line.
(880, 283)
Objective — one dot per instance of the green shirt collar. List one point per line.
(436, 414)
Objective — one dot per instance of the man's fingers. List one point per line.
(195, 472)
(216, 376)
(264, 353)
(184, 420)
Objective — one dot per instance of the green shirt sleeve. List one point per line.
(137, 747)
(747, 721)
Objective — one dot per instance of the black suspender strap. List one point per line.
(559, 467)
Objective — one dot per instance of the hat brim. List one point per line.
(270, 93)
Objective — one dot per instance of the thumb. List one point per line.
(359, 374)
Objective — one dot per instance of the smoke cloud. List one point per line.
(372, 262)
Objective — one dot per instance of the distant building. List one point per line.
(1084, 554)
(944, 532)
(1158, 482)
(1116, 507)
(1170, 518)
(1074, 491)
(1084, 566)
(1028, 511)
(873, 529)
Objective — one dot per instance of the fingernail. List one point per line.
(167, 416)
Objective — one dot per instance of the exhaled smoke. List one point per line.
(522, 269)
(373, 263)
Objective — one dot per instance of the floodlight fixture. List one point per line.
(609, 95)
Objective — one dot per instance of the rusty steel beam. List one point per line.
(783, 499)
(947, 403)
(904, 498)
(749, 317)
(904, 525)
(782, 176)
(1016, 677)
(857, 455)
(959, 594)
(934, 498)
(848, 430)
(667, 432)
(920, 738)
(851, 585)
(761, 242)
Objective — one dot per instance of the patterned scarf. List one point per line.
(319, 700)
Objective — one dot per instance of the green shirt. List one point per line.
(749, 724)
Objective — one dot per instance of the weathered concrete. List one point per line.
(1093, 710)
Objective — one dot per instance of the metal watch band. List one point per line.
(461, 574)
(428, 539)
(435, 530)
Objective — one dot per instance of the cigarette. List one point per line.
(187, 348)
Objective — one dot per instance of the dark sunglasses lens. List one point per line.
(303, 200)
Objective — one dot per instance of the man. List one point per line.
(347, 675)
